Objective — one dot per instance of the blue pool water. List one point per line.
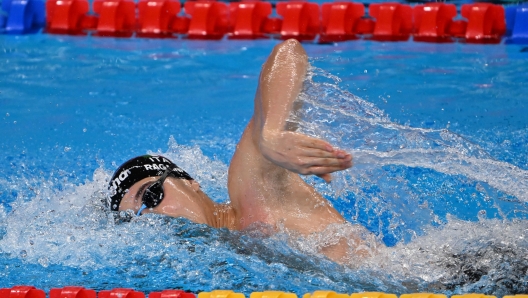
(439, 133)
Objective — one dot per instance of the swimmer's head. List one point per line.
(137, 169)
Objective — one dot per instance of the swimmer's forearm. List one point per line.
(280, 83)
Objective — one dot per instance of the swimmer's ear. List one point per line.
(326, 177)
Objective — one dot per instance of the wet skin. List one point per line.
(182, 198)
(263, 179)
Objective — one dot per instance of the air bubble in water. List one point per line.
(43, 261)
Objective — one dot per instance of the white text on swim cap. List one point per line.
(120, 178)
(155, 167)
(156, 158)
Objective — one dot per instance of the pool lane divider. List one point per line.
(250, 19)
(81, 292)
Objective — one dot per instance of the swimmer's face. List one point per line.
(182, 198)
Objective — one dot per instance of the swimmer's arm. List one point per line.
(280, 83)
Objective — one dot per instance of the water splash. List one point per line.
(358, 126)
(66, 236)
(402, 184)
(415, 184)
(406, 178)
(487, 256)
(210, 173)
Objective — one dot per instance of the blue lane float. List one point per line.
(22, 16)
(517, 24)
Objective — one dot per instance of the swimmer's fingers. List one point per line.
(324, 167)
(300, 153)
(325, 172)
(313, 143)
(330, 163)
(319, 148)
(339, 154)
(326, 177)
(317, 157)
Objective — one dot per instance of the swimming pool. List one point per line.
(439, 132)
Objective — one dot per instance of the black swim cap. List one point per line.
(137, 169)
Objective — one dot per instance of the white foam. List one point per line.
(71, 227)
(361, 128)
(456, 256)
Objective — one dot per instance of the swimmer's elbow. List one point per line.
(292, 45)
(291, 49)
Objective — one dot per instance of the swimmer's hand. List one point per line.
(303, 154)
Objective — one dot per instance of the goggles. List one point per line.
(153, 195)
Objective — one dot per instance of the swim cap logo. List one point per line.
(120, 178)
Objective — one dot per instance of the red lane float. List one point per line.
(394, 21)
(339, 21)
(116, 17)
(486, 22)
(272, 26)
(22, 292)
(156, 18)
(120, 293)
(365, 26)
(209, 19)
(248, 19)
(432, 22)
(67, 16)
(171, 294)
(300, 20)
(72, 292)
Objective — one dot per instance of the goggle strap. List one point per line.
(164, 176)
(143, 207)
(161, 180)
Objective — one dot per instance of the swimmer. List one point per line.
(263, 178)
